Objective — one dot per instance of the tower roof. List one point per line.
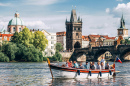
(73, 16)
(122, 22)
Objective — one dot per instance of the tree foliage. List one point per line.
(59, 47)
(3, 57)
(10, 50)
(40, 40)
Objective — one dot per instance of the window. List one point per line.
(5, 38)
(52, 47)
(14, 29)
(9, 30)
(51, 53)
(78, 28)
(74, 28)
(52, 37)
(52, 42)
(19, 29)
(77, 34)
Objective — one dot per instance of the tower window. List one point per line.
(78, 28)
(77, 34)
(14, 29)
(19, 29)
(74, 28)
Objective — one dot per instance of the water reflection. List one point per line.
(89, 82)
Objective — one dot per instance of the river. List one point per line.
(38, 74)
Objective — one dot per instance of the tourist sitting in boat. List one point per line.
(67, 63)
(107, 66)
(92, 66)
(75, 65)
(98, 66)
(70, 64)
(86, 65)
(81, 66)
(102, 65)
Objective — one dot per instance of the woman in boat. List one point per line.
(98, 66)
(81, 66)
(92, 66)
(102, 65)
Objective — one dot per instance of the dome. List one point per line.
(16, 20)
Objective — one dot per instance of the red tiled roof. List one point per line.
(95, 36)
(85, 38)
(7, 35)
(61, 33)
(111, 38)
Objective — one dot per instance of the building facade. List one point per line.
(85, 42)
(73, 32)
(122, 31)
(109, 41)
(16, 24)
(51, 47)
(61, 38)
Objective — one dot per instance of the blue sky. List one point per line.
(99, 16)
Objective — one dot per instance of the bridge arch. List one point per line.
(77, 45)
(125, 55)
(101, 52)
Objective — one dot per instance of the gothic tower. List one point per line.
(122, 31)
(73, 32)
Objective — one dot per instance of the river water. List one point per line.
(38, 74)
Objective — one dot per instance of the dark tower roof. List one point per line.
(73, 17)
(122, 22)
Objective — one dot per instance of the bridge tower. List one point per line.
(73, 32)
(122, 31)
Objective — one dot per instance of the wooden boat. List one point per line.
(67, 72)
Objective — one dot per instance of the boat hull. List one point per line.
(60, 72)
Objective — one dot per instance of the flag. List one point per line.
(118, 60)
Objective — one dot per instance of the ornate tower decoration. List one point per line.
(122, 31)
(73, 32)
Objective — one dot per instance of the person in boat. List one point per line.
(98, 66)
(81, 66)
(67, 63)
(102, 65)
(92, 66)
(86, 65)
(70, 64)
(103, 60)
(107, 66)
(75, 65)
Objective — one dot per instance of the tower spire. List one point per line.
(122, 22)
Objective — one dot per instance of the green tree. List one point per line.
(10, 50)
(40, 41)
(3, 57)
(57, 57)
(122, 41)
(59, 47)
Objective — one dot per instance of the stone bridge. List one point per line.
(122, 51)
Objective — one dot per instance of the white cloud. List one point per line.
(107, 10)
(119, 0)
(41, 2)
(5, 4)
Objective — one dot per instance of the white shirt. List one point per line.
(103, 60)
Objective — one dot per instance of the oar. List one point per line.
(49, 66)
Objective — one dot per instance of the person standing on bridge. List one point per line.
(103, 60)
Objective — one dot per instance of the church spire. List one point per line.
(122, 22)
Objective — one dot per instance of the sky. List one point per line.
(98, 16)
